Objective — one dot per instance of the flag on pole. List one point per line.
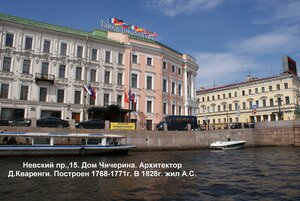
(129, 95)
(86, 88)
(89, 89)
(126, 97)
(132, 98)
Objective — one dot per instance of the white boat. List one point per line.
(225, 145)
(20, 143)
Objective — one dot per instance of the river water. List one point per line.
(271, 173)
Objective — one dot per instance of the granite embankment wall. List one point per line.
(264, 134)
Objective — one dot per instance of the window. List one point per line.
(264, 103)
(93, 75)
(243, 93)
(106, 99)
(218, 97)
(179, 110)
(164, 65)
(287, 100)
(256, 90)
(4, 90)
(6, 64)
(213, 97)
(133, 106)
(149, 61)
(9, 41)
(250, 104)
(179, 89)
(78, 73)
(173, 87)
(120, 59)
(92, 101)
(279, 101)
(134, 58)
(207, 98)
(224, 96)
(94, 54)
(173, 69)
(244, 105)
(173, 109)
(47, 44)
(164, 85)
(149, 106)
(229, 95)
(250, 91)
(26, 66)
(278, 86)
(77, 97)
(235, 94)
(24, 93)
(219, 108)
(63, 49)
(203, 99)
(60, 95)
(179, 71)
(224, 107)
(257, 103)
(286, 86)
(79, 51)
(271, 102)
(45, 67)
(119, 100)
(120, 79)
(149, 83)
(270, 88)
(62, 71)
(164, 108)
(230, 107)
(236, 106)
(107, 77)
(134, 80)
(263, 89)
(28, 43)
(107, 56)
(43, 94)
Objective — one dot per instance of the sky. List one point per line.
(230, 39)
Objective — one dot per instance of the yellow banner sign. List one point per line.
(122, 126)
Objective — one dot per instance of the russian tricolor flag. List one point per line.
(89, 89)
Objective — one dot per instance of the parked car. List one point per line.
(236, 125)
(92, 123)
(4, 122)
(21, 122)
(179, 123)
(52, 122)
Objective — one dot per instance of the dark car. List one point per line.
(236, 126)
(4, 122)
(21, 122)
(178, 123)
(92, 123)
(52, 122)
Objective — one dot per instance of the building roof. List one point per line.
(237, 84)
(97, 34)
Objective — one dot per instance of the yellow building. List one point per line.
(267, 99)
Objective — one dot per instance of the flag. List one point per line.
(132, 98)
(115, 21)
(153, 34)
(138, 29)
(93, 92)
(129, 95)
(126, 97)
(132, 27)
(125, 26)
(86, 88)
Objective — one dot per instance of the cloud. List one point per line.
(267, 43)
(174, 8)
(219, 67)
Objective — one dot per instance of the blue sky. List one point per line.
(229, 38)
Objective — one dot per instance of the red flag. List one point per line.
(126, 97)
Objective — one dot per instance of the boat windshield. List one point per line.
(93, 141)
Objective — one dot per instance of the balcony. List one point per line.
(44, 77)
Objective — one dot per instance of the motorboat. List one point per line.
(229, 144)
(21, 143)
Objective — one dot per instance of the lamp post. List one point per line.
(279, 101)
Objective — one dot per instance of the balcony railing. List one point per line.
(44, 77)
